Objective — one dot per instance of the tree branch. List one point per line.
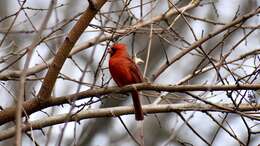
(64, 50)
(35, 104)
(123, 110)
(203, 40)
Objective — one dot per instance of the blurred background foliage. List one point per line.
(84, 70)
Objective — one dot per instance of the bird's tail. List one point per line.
(139, 115)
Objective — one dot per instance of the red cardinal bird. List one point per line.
(125, 72)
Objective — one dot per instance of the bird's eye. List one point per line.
(113, 49)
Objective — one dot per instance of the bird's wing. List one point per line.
(135, 72)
